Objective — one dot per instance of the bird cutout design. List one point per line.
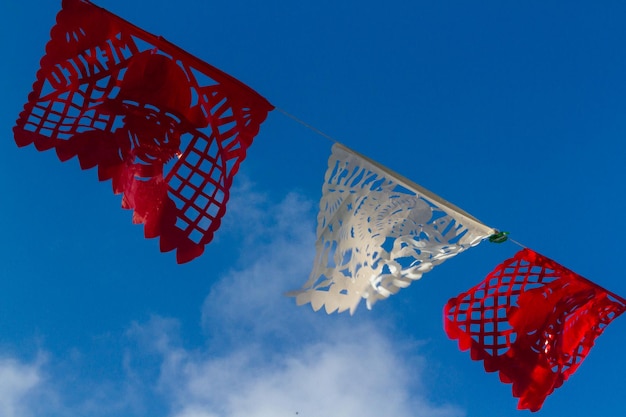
(377, 232)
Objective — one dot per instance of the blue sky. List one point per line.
(514, 112)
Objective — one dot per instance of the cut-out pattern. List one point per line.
(168, 129)
(532, 320)
(378, 232)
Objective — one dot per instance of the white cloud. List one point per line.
(19, 383)
(250, 298)
(268, 358)
(55, 387)
(351, 371)
(264, 357)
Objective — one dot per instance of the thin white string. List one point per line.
(517, 243)
(308, 126)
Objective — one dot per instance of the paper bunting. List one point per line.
(532, 320)
(168, 129)
(377, 232)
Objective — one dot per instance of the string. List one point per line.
(517, 243)
(308, 126)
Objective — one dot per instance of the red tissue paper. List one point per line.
(532, 320)
(168, 129)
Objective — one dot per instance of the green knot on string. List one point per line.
(499, 237)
